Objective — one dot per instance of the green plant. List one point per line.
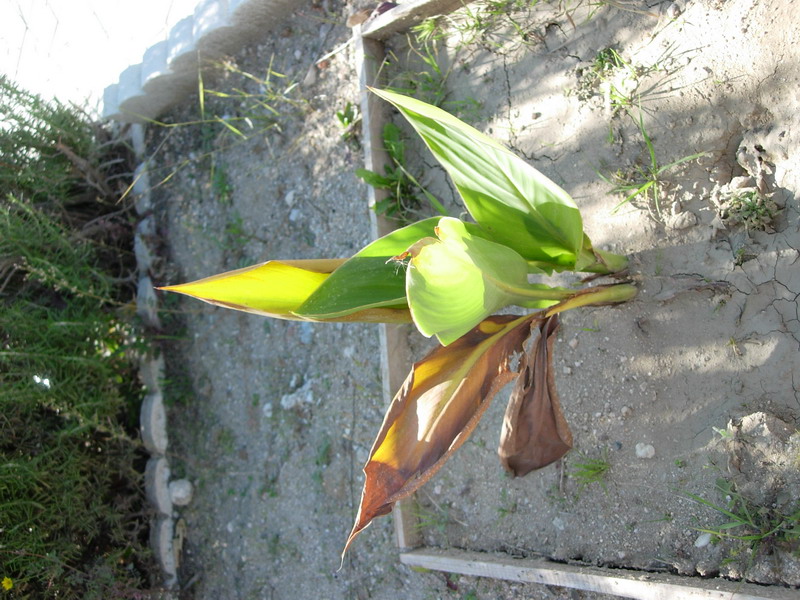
(621, 83)
(748, 207)
(349, 119)
(450, 278)
(646, 181)
(506, 506)
(591, 470)
(72, 522)
(403, 199)
(750, 525)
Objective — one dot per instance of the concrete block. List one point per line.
(137, 140)
(141, 180)
(144, 258)
(154, 63)
(181, 49)
(213, 33)
(130, 83)
(156, 484)
(151, 372)
(147, 303)
(111, 102)
(153, 422)
(161, 532)
(251, 18)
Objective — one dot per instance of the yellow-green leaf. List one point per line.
(277, 289)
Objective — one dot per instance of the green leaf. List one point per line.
(512, 201)
(374, 179)
(369, 279)
(277, 289)
(456, 281)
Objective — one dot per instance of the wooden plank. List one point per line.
(617, 582)
(404, 16)
(395, 354)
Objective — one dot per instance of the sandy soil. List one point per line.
(686, 388)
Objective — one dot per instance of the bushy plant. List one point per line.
(71, 523)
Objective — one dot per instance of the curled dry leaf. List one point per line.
(436, 410)
(535, 432)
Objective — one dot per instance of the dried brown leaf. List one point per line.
(436, 410)
(535, 432)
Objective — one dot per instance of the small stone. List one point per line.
(645, 451)
(625, 411)
(703, 540)
(681, 221)
(621, 555)
(311, 76)
(306, 333)
(266, 410)
(294, 215)
(673, 11)
(304, 395)
(567, 371)
(289, 198)
(181, 491)
(559, 524)
(573, 343)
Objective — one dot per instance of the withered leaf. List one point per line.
(534, 432)
(436, 410)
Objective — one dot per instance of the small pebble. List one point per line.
(567, 371)
(573, 343)
(180, 492)
(703, 540)
(673, 11)
(645, 450)
(559, 524)
(626, 411)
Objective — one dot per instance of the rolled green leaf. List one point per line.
(457, 280)
(370, 279)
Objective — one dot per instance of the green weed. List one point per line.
(645, 183)
(349, 119)
(591, 470)
(506, 507)
(749, 525)
(437, 520)
(750, 208)
(403, 201)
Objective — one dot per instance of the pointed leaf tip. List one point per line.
(436, 410)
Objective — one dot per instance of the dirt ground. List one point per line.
(683, 398)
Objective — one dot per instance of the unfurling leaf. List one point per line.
(436, 410)
(459, 279)
(535, 432)
(277, 289)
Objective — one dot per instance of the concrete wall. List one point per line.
(168, 71)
